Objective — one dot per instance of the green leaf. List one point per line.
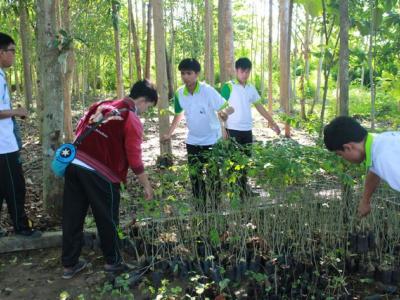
(214, 237)
(64, 295)
(223, 284)
(313, 7)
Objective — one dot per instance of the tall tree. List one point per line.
(52, 97)
(270, 17)
(284, 58)
(208, 55)
(115, 20)
(344, 58)
(24, 32)
(148, 45)
(329, 58)
(225, 40)
(372, 4)
(136, 46)
(170, 54)
(161, 73)
(67, 66)
(130, 48)
(319, 73)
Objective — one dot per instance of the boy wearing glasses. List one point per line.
(12, 182)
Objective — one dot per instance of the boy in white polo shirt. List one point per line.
(381, 153)
(241, 96)
(199, 103)
(12, 182)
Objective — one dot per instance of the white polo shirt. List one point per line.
(8, 141)
(383, 157)
(240, 98)
(200, 112)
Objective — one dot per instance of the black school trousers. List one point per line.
(205, 180)
(244, 140)
(84, 188)
(12, 189)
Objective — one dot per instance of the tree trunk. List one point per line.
(328, 63)
(67, 67)
(344, 58)
(24, 32)
(225, 40)
(284, 7)
(130, 50)
(52, 96)
(148, 46)
(307, 49)
(161, 72)
(171, 61)
(270, 101)
(302, 99)
(208, 55)
(118, 64)
(262, 79)
(370, 62)
(289, 48)
(319, 74)
(252, 50)
(169, 67)
(136, 46)
(144, 24)
(16, 81)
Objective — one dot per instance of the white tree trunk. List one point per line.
(52, 96)
(25, 45)
(344, 58)
(161, 72)
(118, 64)
(208, 55)
(225, 40)
(284, 59)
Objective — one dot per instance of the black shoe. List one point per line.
(2, 233)
(71, 272)
(31, 233)
(117, 268)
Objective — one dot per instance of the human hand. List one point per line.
(148, 193)
(364, 208)
(165, 137)
(223, 115)
(98, 116)
(21, 112)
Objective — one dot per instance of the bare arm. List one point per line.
(19, 112)
(223, 115)
(371, 183)
(144, 181)
(260, 108)
(174, 124)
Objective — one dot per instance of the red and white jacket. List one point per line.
(115, 145)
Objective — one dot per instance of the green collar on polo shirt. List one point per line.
(368, 150)
(196, 89)
(235, 81)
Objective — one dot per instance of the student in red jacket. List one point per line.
(93, 178)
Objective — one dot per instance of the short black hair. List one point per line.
(243, 63)
(189, 64)
(5, 40)
(343, 130)
(144, 88)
